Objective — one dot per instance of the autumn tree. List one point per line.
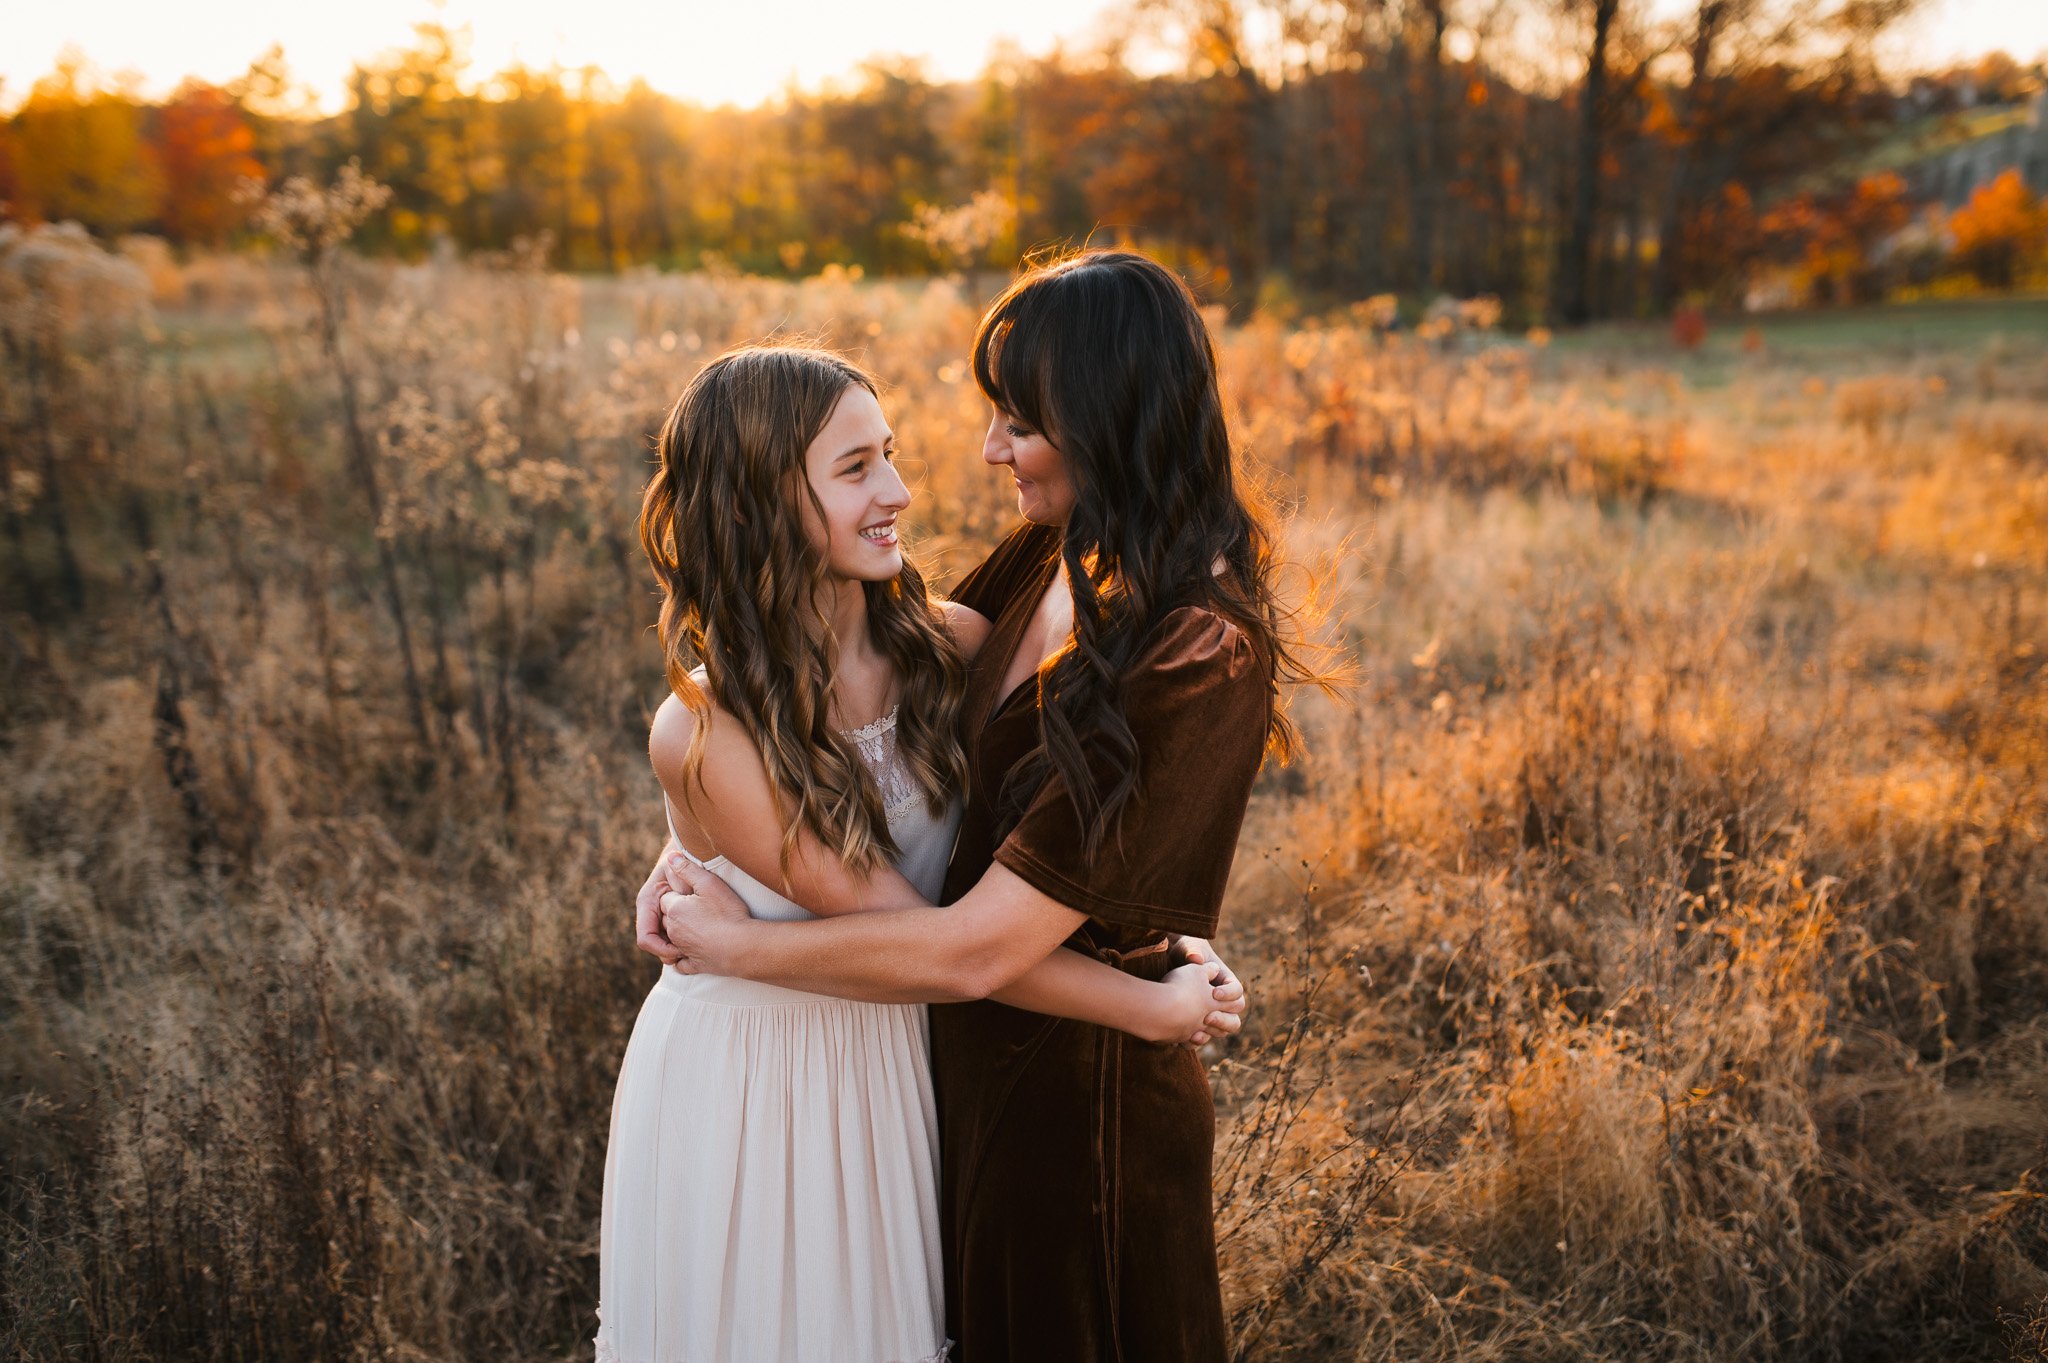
(2002, 227)
(1833, 239)
(533, 131)
(206, 151)
(1579, 158)
(606, 163)
(1572, 300)
(1419, 42)
(871, 155)
(1061, 108)
(10, 188)
(281, 113)
(657, 146)
(80, 155)
(404, 116)
(1767, 86)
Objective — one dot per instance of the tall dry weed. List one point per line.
(1649, 958)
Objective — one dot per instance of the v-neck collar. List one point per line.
(1008, 636)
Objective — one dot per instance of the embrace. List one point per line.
(805, 1163)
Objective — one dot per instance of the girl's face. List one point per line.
(852, 471)
(1045, 495)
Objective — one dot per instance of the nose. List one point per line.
(995, 446)
(894, 493)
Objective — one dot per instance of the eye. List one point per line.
(1017, 432)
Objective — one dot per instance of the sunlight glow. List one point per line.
(708, 53)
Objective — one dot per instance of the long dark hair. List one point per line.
(723, 528)
(1106, 354)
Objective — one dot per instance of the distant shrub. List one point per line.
(2001, 231)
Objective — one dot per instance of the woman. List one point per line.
(1114, 721)
(770, 1187)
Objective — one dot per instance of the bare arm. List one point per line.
(980, 947)
(733, 813)
(970, 950)
(968, 627)
(1070, 984)
(1065, 984)
(1192, 1003)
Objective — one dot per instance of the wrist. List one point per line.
(1162, 1023)
(725, 944)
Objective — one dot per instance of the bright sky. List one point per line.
(710, 51)
(1949, 31)
(738, 51)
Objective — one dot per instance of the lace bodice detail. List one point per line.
(924, 840)
(876, 744)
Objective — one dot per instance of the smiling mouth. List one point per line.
(884, 535)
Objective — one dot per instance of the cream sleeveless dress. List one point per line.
(771, 1184)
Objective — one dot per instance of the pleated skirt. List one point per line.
(770, 1188)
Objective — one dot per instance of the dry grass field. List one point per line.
(1649, 960)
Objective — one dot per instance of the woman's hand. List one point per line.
(698, 917)
(648, 934)
(1199, 1004)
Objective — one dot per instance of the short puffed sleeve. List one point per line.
(1199, 700)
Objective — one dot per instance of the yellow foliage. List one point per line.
(79, 154)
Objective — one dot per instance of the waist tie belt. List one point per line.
(1149, 962)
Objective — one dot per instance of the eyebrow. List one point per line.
(867, 448)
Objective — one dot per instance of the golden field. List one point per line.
(1649, 959)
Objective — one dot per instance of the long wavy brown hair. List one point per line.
(744, 593)
(1106, 353)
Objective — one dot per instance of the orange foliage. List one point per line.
(1721, 234)
(2002, 225)
(206, 150)
(1835, 239)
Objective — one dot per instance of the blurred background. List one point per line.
(1575, 158)
(1649, 956)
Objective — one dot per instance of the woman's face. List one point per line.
(852, 470)
(1045, 495)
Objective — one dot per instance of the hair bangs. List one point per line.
(1106, 353)
(1013, 356)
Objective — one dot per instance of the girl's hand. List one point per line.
(1228, 986)
(1201, 949)
(1199, 1005)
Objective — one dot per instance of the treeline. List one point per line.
(1577, 158)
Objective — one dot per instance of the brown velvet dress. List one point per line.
(1075, 1160)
